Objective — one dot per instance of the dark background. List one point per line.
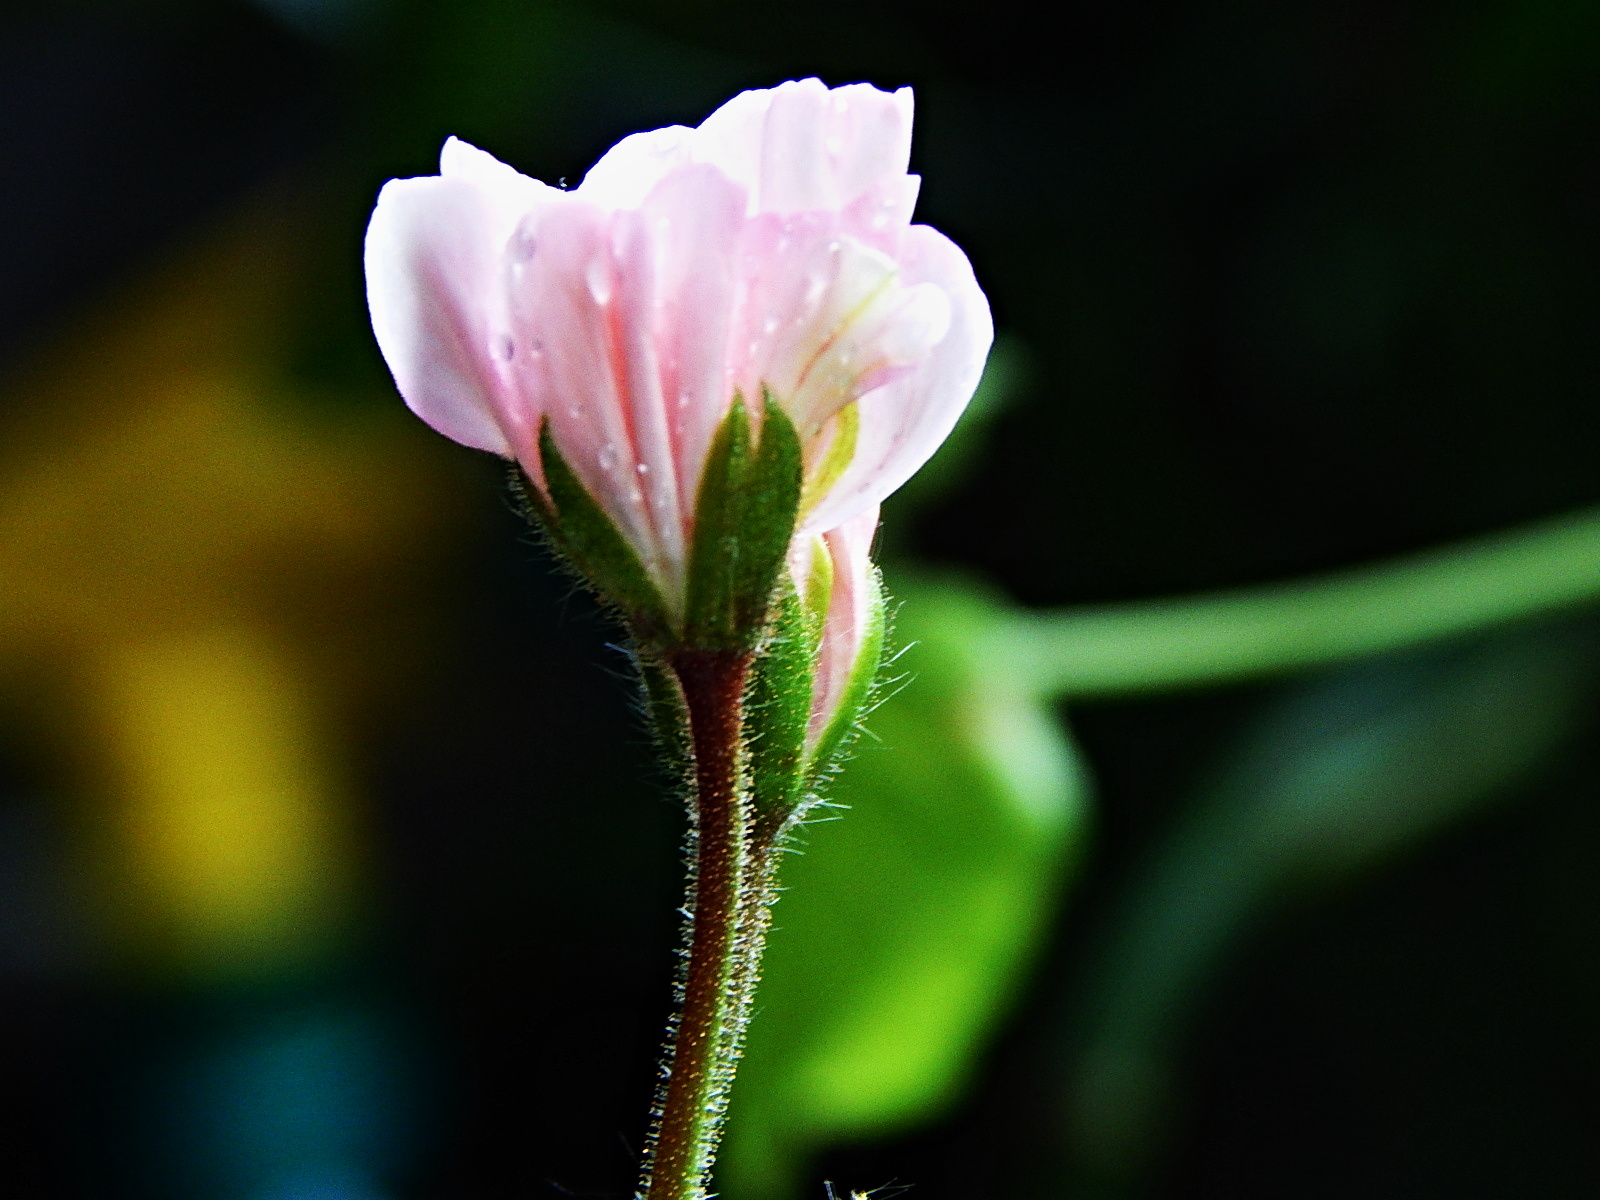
(1297, 286)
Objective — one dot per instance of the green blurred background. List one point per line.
(333, 863)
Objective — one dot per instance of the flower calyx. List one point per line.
(744, 522)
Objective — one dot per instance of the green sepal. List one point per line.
(668, 716)
(778, 711)
(744, 520)
(819, 587)
(580, 531)
(716, 541)
(771, 509)
(858, 693)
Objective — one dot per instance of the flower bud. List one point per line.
(850, 597)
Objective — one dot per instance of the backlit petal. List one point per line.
(904, 421)
(432, 275)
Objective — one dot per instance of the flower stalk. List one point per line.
(725, 928)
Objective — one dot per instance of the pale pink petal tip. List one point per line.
(430, 289)
(850, 614)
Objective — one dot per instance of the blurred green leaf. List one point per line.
(1156, 645)
(906, 925)
(1336, 776)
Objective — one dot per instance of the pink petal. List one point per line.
(563, 286)
(507, 193)
(695, 219)
(904, 422)
(730, 140)
(869, 140)
(432, 287)
(631, 310)
(828, 318)
(632, 168)
(800, 146)
(794, 167)
(880, 215)
(792, 299)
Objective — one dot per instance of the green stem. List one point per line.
(1155, 645)
(725, 914)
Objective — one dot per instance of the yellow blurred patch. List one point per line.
(203, 578)
(227, 817)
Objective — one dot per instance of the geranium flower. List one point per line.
(766, 256)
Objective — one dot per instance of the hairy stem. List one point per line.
(726, 915)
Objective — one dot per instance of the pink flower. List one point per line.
(769, 249)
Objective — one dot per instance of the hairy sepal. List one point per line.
(857, 697)
(778, 712)
(744, 520)
(668, 715)
(581, 532)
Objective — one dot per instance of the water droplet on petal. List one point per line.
(608, 457)
(770, 325)
(504, 348)
(598, 277)
(642, 468)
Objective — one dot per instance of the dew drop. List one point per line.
(504, 348)
(835, 146)
(599, 280)
(770, 325)
(642, 468)
(608, 457)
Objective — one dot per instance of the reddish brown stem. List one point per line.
(726, 917)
